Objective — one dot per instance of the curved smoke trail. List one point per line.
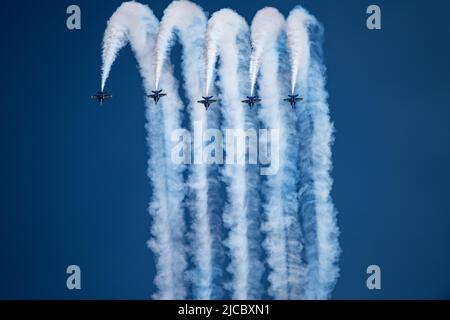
(129, 23)
(266, 28)
(265, 33)
(225, 37)
(135, 23)
(189, 21)
(296, 29)
(178, 15)
(317, 210)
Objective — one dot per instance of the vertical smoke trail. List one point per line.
(317, 211)
(135, 23)
(226, 30)
(253, 176)
(291, 170)
(176, 192)
(210, 55)
(266, 28)
(189, 21)
(321, 141)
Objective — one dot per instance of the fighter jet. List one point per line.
(207, 101)
(156, 95)
(251, 101)
(293, 99)
(101, 96)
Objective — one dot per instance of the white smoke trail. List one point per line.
(171, 107)
(178, 14)
(254, 180)
(318, 214)
(210, 55)
(291, 171)
(126, 20)
(266, 27)
(298, 43)
(225, 31)
(282, 226)
(189, 21)
(135, 23)
(322, 139)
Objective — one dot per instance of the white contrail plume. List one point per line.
(189, 22)
(179, 15)
(212, 40)
(135, 23)
(126, 20)
(266, 27)
(176, 192)
(210, 58)
(321, 141)
(227, 31)
(189, 19)
(297, 33)
(317, 210)
(290, 171)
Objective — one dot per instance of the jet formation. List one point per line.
(156, 95)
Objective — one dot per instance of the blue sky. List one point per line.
(74, 186)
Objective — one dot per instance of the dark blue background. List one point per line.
(74, 188)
